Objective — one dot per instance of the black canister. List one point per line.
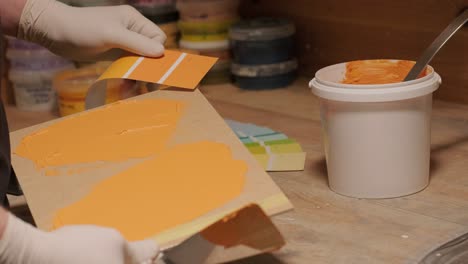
(262, 41)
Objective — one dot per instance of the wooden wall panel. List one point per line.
(335, 31)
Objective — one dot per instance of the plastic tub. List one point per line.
(268, 76)
(262, 41)
(27, 56)
(206, 9)
(73, 85)
(153, 7)
(33, 90)
(376, 137)
(163, 18)
(35, 60)
(84, 3)
(206, 28)
(16, 44)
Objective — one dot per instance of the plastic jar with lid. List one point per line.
(73, 85)
(33, 89)
(266, 76)
(376, 137)
(206, 31)
(84, 3)
(262, 41)
(208, 10)
(154, 7)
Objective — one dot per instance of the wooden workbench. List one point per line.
(326, 227)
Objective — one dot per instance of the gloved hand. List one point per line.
(89, 33)
(22, 243)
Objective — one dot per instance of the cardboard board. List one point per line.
(45, 195)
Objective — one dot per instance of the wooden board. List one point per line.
(45, 195)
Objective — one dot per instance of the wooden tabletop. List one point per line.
(329, 228)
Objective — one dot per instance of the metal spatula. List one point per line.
(244, 233)
(431, 51)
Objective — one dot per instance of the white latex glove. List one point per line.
(90, 33)
(22, 243)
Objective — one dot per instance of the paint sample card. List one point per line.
(176, 69)
(273, 150)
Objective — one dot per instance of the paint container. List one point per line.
(262, 41)
(33, 89)
(26, 56)
(376, 137)
(85, 3)
(73, 85)
(31, 69)
(207, 10)
(172, 33)
(162, 18)
(266, 76)
(167, 22)
(154, 6)
(205, 31)
(35, 60)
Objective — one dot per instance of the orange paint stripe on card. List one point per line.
(188, 70)
(152, 69)
(175, 68)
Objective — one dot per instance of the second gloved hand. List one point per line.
(84, 244)
(90, 33)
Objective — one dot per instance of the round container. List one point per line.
(16, 44)
(84, 3)
(27, 56)
(169, 28)
(262, 41)
(163, 18)
(35, 60)
(33, 90)
(376, 137)
(154, 6)
(205, 31)
(268, 76)
(206, 9)
(73, 85)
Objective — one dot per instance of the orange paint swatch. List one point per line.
(174, 68)
(117, 132)
(378, 71)
(175, 187)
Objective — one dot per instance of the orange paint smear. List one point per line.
(117, 132)
(175, 187)
(378, 71)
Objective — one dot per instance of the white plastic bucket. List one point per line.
(33, 89)
(376, 137)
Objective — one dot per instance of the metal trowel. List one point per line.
(243, 233)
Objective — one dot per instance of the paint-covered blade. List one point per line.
(243, 233)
